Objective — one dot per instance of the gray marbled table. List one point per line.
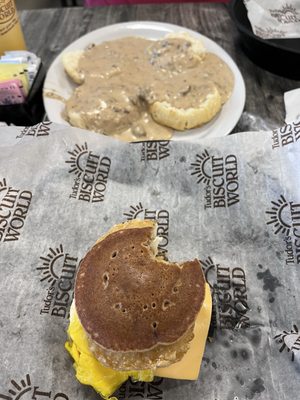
(49, 31)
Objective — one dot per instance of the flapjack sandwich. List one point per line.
(135, 314)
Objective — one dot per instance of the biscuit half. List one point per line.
(197, 47)
(71, 65)
(186, 118)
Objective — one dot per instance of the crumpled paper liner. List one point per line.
(275, 19)
(233, 202)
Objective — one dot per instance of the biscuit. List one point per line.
(71, 65)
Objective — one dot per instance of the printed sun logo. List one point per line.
(279, 216)
(287, 14)
(134, 212)
(78, 159)
(269, 33)
(209, 270)
(290, 341)
(50, 263)
(18, 389)
(200, 168)
(3, 185)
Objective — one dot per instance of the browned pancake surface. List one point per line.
(127, 300)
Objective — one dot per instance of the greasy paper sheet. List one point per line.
(274, 19)
(233, 202)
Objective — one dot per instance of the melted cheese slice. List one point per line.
(189, 366)
(106, 381)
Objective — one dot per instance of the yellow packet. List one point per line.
(15, 71)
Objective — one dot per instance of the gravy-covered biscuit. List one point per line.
(139, 89)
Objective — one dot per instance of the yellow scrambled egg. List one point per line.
(89, 370)
(106, 381)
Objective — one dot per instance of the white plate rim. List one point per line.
(221, 125)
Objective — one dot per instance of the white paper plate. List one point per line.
(57, 81)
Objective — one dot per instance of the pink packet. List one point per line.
(11, 92)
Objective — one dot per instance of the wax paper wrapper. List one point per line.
(233, 202)
(291, 102)
(275, 19)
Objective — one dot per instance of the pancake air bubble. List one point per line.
(154, 325)
(114, 254)
(166, 304)
(105, 279)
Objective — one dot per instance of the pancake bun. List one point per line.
(137, 309)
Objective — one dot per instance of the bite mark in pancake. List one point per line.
(129, 301)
